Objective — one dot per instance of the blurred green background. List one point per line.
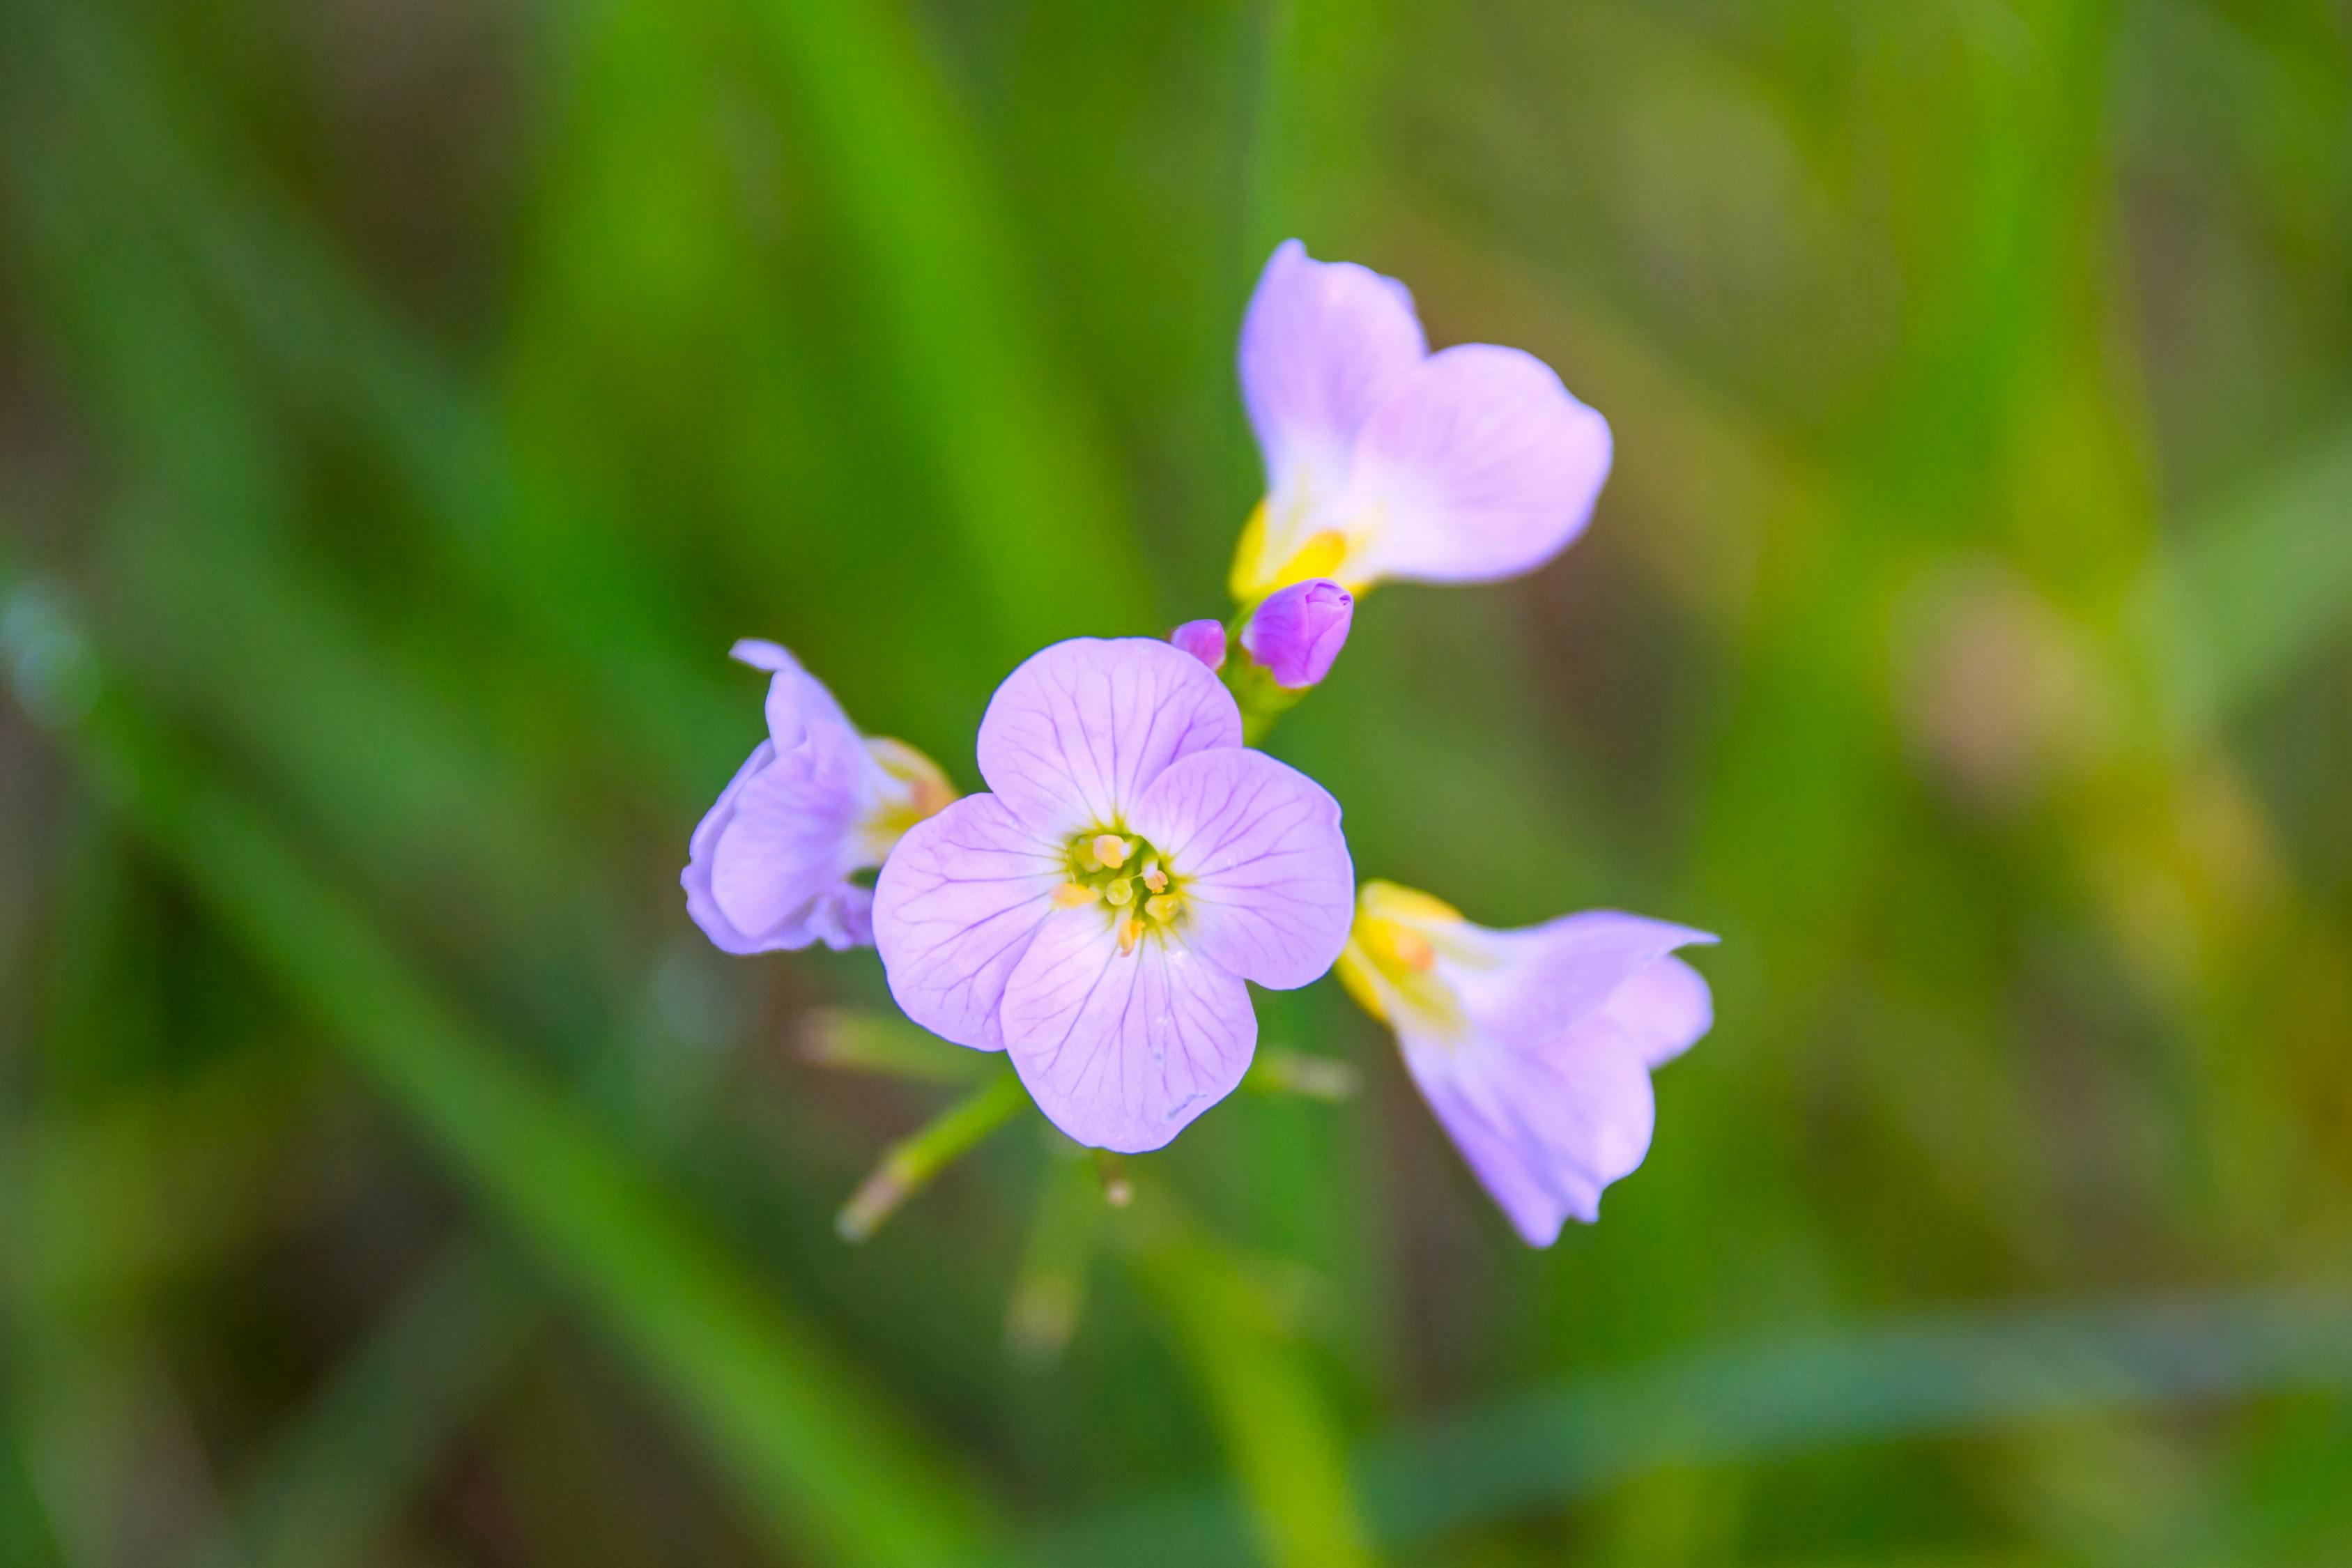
(403, 405)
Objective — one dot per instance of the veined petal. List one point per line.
(1262, 866)
(1078, 732)
(1122, 1050)
(799, 705)
(1323, 343)
(1525, 986)
(1478, 466)
(1544, 1130)
(954, 910)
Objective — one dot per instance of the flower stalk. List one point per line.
(908, 1166)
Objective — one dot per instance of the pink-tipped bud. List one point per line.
(1297, 632)
(1204, 640)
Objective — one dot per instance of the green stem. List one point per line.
(913, 1160)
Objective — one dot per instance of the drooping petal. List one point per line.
(1525, 986)
(1078, 732)
(1266, 885)
(1323, 345)
(799, 705)
(1478, 466)
(1122, 1050)
(1544, 1130)
(1663, 1010)
(954, 910)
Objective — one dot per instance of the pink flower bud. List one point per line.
(1298, 631)
(1204, 640)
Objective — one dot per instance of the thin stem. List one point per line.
(910, 1163)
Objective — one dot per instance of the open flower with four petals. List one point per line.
(1533, 1047)
(1097, 913)
(1384, 460)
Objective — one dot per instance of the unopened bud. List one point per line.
(1204, 640)
(1298, 631)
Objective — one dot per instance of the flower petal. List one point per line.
(1480, 464)
(799, 705)
(1323, 343)
(1269, 889)
(1663, 1010)
(1544, 1130)
(1074, 735)
(1526, 986)
(1122, 1050)
(954, 910)
(781, 838)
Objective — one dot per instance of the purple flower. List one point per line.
(1533, 1047)
(770, 865)
(1385, 461)
(1300, 630)
(1204, 640)
(1097, 915)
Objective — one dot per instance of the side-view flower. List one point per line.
(1385, 461)
(1533, 1047)
(771, 864)
(1097, 913)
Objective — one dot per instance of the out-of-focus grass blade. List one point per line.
(2257, 587)
(819, 1461)
(1280, 1432)
(25, 1539)
(949, 302)
(866, 1040)
(1929, 1377)
(337, 1478)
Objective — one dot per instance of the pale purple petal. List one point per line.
(1204, 640)
(1298, 631)
(1122, 1050)
(1074, 736)
(1268, 887)
(1525, 986)
(1323, 343)
(798, 704)
(1663, 1010)
(954, 910)
(1479, 465)
(1544, 1130)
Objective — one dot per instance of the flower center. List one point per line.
(1129, 879)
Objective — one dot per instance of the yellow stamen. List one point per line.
(1130, 931)
(1162, 907)
(1412, 949)
(1074, 895)
(1155, 879)
(1119, 894)
(1110, 850)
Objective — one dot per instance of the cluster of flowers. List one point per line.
(1099, 912)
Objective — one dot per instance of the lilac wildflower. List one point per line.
(1385, 461)
(1533, 1047)
(770, 864)
(1204, 640)
(1300, 630)
(1098, 914)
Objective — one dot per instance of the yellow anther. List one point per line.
(1073, 895)
(1119, 894)
(1163, 908)
(1110, 850)
(1155, 877)
(1130, 931)
(1412, 949)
